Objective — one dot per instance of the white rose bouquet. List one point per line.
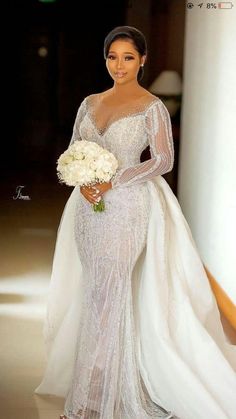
(85, 163)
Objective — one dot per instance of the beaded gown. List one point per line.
(132, 329)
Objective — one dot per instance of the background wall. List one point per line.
(208, 147)
(163, 24)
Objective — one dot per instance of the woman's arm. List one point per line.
(79, 117)
(159, 131)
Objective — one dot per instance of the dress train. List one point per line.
(185, 360)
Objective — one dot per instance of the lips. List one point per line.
(120, 74)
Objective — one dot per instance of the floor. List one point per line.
(28, 228)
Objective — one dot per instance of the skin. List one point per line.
(123, 58)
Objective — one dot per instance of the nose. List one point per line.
(119, 63)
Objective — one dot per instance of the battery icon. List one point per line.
(225, 5)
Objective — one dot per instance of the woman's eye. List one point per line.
(112, 57)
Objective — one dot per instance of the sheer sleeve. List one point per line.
(79, 117)
(159, 132)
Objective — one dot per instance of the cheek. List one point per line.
(133, 65)
(109, 66)
(110, 70)
(133, 68)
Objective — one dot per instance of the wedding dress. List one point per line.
(132, 329)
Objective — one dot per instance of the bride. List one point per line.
(132, 329)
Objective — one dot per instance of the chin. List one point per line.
(121, 80)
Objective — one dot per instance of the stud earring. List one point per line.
(142, 65)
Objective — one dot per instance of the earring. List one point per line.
(142, 65)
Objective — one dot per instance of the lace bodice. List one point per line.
(126, 130)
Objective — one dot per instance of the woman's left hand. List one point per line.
(99, 188)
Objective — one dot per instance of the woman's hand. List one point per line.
(93, 193)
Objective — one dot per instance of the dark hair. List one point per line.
(131, 33)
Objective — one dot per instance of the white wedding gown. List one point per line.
(132, 329)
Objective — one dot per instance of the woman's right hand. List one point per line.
(90, 194)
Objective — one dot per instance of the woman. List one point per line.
(133, 329)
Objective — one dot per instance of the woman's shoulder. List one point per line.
(150, 102)
(97, 94)
(155, 104)
(91, 98)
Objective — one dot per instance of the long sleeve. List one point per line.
(79, 117)
(159, 132)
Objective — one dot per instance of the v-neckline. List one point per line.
(101, 133)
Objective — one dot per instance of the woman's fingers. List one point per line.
(94, 193)
(90, 194)
(91, 199)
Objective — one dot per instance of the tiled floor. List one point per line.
(28, 234)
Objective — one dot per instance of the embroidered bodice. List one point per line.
(126, 130)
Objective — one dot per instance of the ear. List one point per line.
(143, 59)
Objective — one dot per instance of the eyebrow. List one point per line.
(126, 52)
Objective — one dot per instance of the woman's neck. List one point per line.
(126, 90)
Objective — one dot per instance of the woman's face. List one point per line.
(123, 61)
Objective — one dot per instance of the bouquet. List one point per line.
(85, 163)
